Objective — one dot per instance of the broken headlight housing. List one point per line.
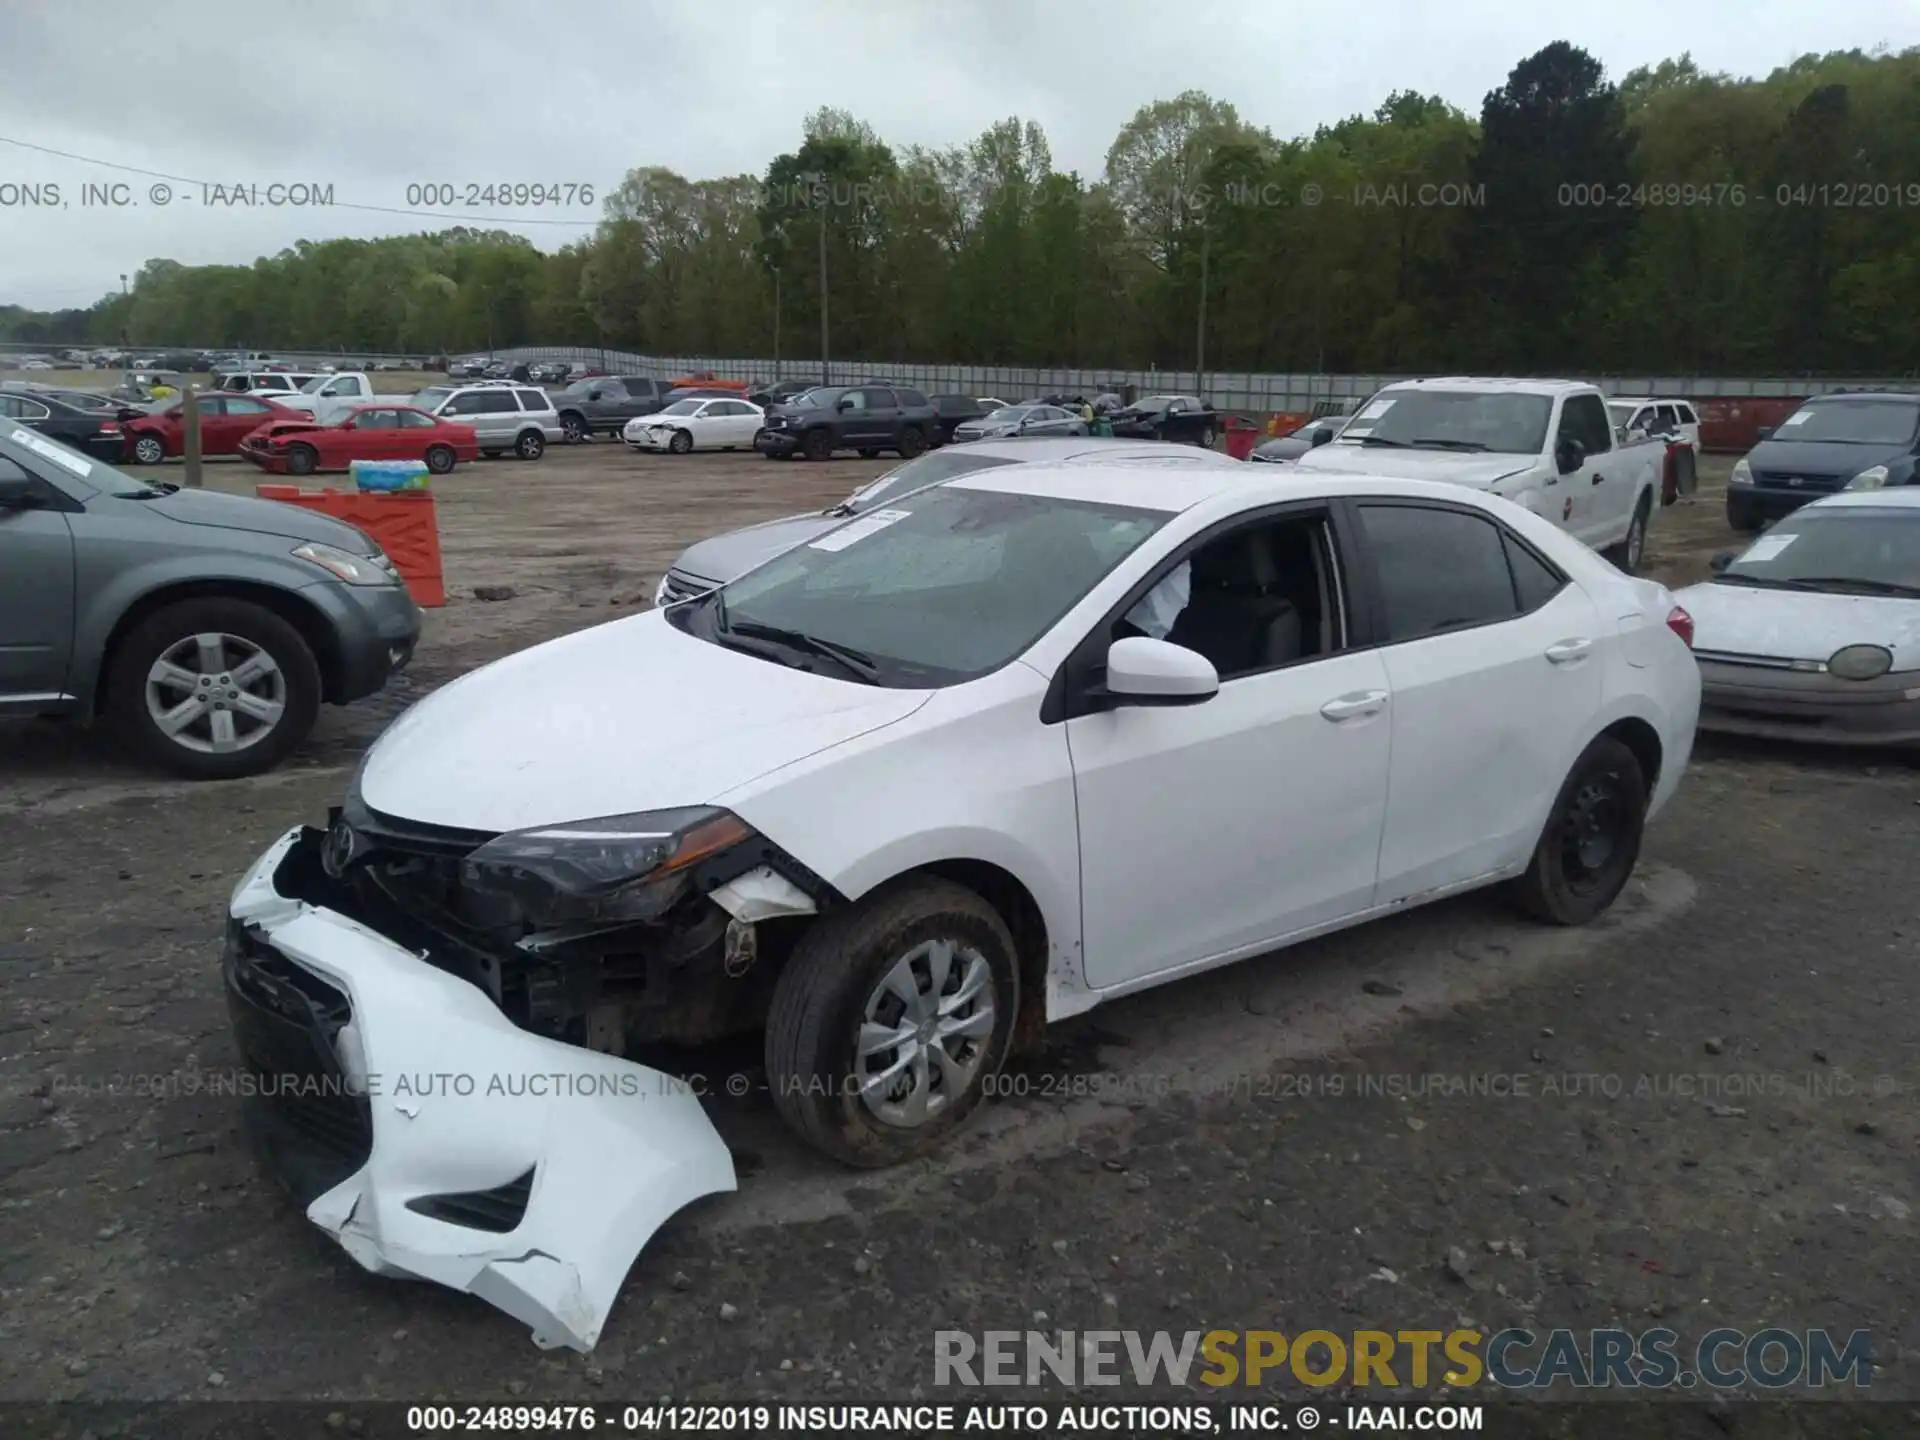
(615, 870)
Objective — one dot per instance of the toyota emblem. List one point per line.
(343, 847)
(1794, 480)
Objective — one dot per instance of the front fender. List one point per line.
(106, 598)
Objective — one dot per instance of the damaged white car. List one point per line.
(1016, 743)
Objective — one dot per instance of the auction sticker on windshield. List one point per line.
(1767, 547)
(1798, 418)
(47, 450)
(1375, 410)
(858, 530)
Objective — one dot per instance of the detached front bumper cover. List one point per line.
(580, 1156)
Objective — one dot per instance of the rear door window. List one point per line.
(1438, 570)
(534, 400)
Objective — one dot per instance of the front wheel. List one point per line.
(681, 442)
(576, 429)
(439, 459)
(890, 1021)
(302, 460)
(1592, 838)
(818, 445)
(1742, 516)
(213, 688)
(148, 450)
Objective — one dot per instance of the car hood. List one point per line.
(262, 517)
(1800, 624)
(630, 716)
(1451, 467)
(1820, 457)
(726, 557)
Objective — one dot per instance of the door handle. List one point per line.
(1598, 478)
(1355, 706)
(1568, 651)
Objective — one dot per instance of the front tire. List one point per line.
(891, 1019)
(148, 450)
(1591, 841)
(302, 460)
(577, 430)
(1742, 517)
(213, 689)
(681, 443)
(818, 445)
(440, 459)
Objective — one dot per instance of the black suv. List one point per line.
(1849, 440)
(606, 402)
(864, 418)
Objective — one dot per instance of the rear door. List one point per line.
(1495, 662)
(497, 417)
(879, 416)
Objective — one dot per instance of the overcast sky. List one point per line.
(371, 97)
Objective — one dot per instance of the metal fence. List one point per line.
(1251, 394)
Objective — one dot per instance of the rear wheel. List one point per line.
(213, 688)
(890, 1020)
(1206, 438)
(818, 445)
(439, 459)
(1686, 473)
(302, 460)
(869, 454)
(1592, 838)
(1628, 554)
(913, 441)
(531, 445)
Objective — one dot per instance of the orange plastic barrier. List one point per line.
(707, 382)
(403, 524)
(1286, 422)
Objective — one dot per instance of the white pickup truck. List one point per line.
(325, 392)
(1549, 445)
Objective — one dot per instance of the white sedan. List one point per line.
(696, 425)
(1813, 631)
(1002, 749)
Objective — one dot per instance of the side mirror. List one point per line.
(1144, 671)
(16, 492)
(1568, 455)
(1765, 432)
(1722, 560)
(1321, 436)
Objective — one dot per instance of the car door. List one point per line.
(1600, 489)
(376, 436)
(879, 416)
(241, 415)
(219, 432)
(1211, 830)
(36, 586)
(1495, 661)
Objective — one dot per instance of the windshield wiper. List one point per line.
(855, 662)
(1382, 440)
(156, 491)
(1728, 577)
(1828, 582)
(1434, 442)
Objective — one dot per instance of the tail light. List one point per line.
(109, 427)
(1681, 624)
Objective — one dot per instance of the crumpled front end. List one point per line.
(434, 1138)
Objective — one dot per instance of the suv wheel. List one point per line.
(912, 442)
(576, 428)
(531, 445)
(213, 688)
(818, 445)
(890, 1020)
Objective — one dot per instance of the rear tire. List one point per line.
(834, 988)
(1591, 842)
(531, 445)
(913, 441)
(1687, 473)
(869, 454)
(818, 445)
(440, 459)
(1631, 552)
(138, 655)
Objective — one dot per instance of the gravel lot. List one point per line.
(1229, 1172)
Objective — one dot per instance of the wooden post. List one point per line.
(190, 430)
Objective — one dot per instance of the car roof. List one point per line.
(1173, 487)
(1648, 400)
(1512, 384)
(1900, 497)
(1895, 397)
(1042, 449)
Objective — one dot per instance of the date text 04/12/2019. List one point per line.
(476, 194)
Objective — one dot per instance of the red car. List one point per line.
(225, 421)
(300, 445)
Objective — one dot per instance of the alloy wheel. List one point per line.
(216, 693)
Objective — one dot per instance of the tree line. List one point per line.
(1675, 222)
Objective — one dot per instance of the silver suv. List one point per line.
(520, 418)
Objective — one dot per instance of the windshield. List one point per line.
(814, 397)
(941, 587)
(1503, 423)
(1010, 414)
(1155, 402)
(683, 407)
(917, 474)
(1862, 422)
(28, 449)
(1842, 548)
(1620, 414)
(579, 387)
(430, 398)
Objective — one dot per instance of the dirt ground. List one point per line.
(1230, 1152)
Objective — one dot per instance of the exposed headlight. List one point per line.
(1742, 473)
(612, 870)
(374, 569)
(1872, 478)
(660, 593)
(1860, 662)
